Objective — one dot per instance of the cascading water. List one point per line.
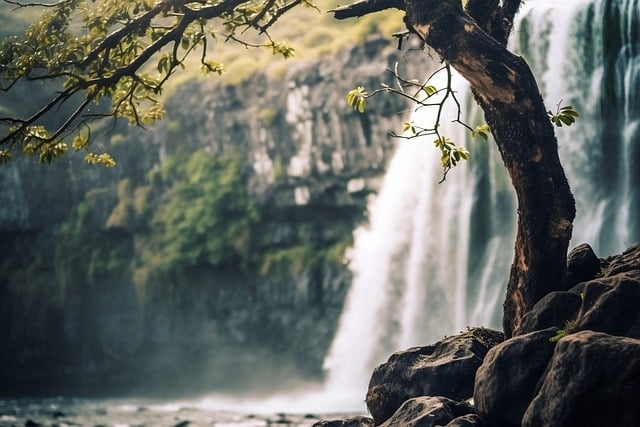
(435, 257)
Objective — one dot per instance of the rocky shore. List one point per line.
(574, 361)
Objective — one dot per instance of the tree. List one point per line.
(472, 39)
(107, 59)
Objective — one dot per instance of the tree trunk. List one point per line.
(507, 92)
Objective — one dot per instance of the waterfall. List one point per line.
(435, 257)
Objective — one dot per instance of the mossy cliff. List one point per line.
(213, 255)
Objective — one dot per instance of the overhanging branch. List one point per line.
(364, 7)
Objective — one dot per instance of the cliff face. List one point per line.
(212, 256)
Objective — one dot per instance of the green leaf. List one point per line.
(565, 115)
(429, 90)
(356, 98)
(481, 131)
(5, 156)
(80, 142)
(104, 159)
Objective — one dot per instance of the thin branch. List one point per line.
(260, 15)
(20, 5)
(114, 38)
(281, 11)
(509, 10)
(63, 96)
(364, 7)
(71, 118)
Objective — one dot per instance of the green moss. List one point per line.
(282, 263)
(209, 217)
(288, 262)
(268, 116)
(569, 328)
(141, 199)
(123, 213)
(279, 169)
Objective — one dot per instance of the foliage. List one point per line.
(565, 115)
(426, 94)
(114, 59)
(308, 251)
(357, 98)
(569, 328)
(102, 51)
(209, 218)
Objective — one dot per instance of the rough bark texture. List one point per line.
(507, 92)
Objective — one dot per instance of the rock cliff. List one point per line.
(212, 256)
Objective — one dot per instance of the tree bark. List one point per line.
(506, 90)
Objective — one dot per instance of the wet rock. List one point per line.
(629, 260)
(610, 305)
(427, 411)
(593, 380)
(446, 368)
(358, 421)
(583, 263)
(469, 420)
(555, 309)
(506, 382)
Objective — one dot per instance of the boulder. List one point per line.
(358, 421)
(629, 260)
(583, 263)
(427, 411)
(593, 380)
(506, 382)
(446, 368)
(555, 309)
(610, 305)
(469, 420)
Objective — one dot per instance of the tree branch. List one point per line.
(509, 10)
(364, 7)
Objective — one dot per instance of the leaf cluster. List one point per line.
(112, 58)
(209, 218)
(565, 115)
(425, 94)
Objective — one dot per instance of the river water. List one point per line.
(221, 412)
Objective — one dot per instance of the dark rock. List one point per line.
(555, 309)
(469, 420)
(31, 423)
(583, 263)
(506, 382)
(610, 305)
(182, 424)
(446, 368)
(358, 421)
(593, 380)
(427, 411)
(629, 260)
(570, 280)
